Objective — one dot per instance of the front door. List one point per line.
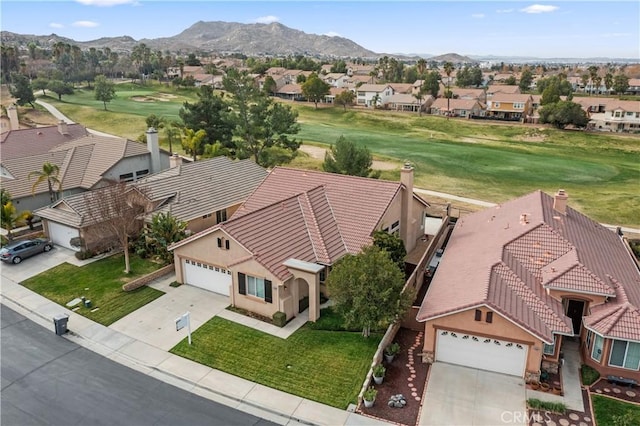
(575, 311)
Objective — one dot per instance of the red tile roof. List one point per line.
(508, 256)
(28, 142)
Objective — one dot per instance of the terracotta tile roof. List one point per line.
(27, 142)
(466, 104)
(499, 88)
(405, 98)
(373, 88)
(290, 88)
(401, 87)
(357, 203)
(503, 259)
(509, 97)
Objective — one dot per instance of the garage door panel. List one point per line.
(61, 235)
(481, 352)
(208, 277)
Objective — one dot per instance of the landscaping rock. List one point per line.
(397, 401)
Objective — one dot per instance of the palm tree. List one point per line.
(593, 73)
(192, 140)
(608, 81)
(448, 69)
(48, 173)
(11, 219)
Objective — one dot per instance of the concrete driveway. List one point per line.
(464, 396)
(36, 264)
(154, 323)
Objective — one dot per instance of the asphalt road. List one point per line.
(49, 380)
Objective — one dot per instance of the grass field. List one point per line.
(323, 366)
(483, 160)
(609, 411)
(101, 282)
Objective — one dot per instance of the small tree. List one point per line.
(105, 90)
(345, 98)
(21, 90)
(431, 83)
(367, 289)
(346, 158)
(563, 113)
(193, 141)
(314, 89)
(60, 88)
(116, 212)
(49, 173)
(11, 219)
(526, 78)
(163, 231)
(270, 86)
(620, 83)
(392, 244)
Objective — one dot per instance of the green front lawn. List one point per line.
(320, 365)
(101, 282)
(609, 411)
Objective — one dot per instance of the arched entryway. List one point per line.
(302, 296)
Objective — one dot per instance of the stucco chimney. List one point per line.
(154, 148)
(175, 160)
(62, 127)
(12, 112)
(560, 201)
(406, 178)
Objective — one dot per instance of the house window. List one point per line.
(518, 105)
(629, 114)
(206, 216)
(596, 352)
(625, 355)
(141, 173)
(489, 317)
(323, 275)
(549, 349)
(257, 287)
(589, 338)
(478, 316)
(496, 104)
(127, 177)
(395, 227)
(617, 114)
(222, 242)
(221, 216)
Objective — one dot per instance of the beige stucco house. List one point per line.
(517, 281)
(274, 253)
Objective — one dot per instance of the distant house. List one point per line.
(373, 95)
(457, 108)
(519, 283)
(292, 92)
(276, 250)
(506, 106)
(202, 194)
(504, 89)
(86, 161)
(408, 102)
(634, 86)
(335, 79)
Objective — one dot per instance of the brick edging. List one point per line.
(146, 279)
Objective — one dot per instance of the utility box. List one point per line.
(87, 303)
(60, 323)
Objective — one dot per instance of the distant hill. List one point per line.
(453, 58)
(223, 37)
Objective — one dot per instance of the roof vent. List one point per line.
(524, 218)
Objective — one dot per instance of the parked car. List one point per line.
(17, 251)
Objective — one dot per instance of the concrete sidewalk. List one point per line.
(270, 404)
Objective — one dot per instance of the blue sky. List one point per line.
(563, 28)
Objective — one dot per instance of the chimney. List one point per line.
(62, 128)
(560, 201)
(406, 216)
(154, 148)
(175, 160)
(12, 112)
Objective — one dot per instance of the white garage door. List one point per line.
(61, 234)
(481, 352)
(206, 276)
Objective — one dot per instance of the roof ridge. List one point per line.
(305, 204)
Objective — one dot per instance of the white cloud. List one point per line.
(333, 34)
(55, 25)
(85, 24)
(267, 19)
(477, 15)
(610, 35)
(539, 8)
(504, 10)
(106, 3)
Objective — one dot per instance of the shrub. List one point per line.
(280, 319)
(84, 254)
(589, 375)
(555, 407)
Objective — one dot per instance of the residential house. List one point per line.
(85, 161)
(408, 102)
(457, 108)
(634, 86)
(333, 92)
(468, 93)
(519, 283)
(406, 88)
(512, 107)
(611, 114)
(292, 92)
(274, 253)
(373, 95)
(505, 89)
(335, 79)
(202, 194)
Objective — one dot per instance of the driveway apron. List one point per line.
(458, 395)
